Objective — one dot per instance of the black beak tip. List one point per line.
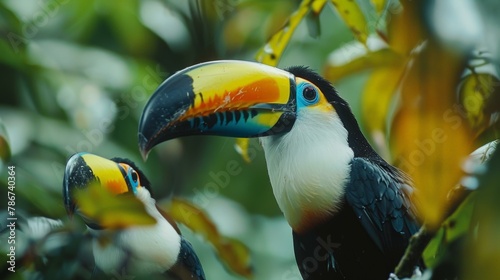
(144, 146)
(76, 175)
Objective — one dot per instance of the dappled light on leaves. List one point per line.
(234, 254)
(111, 211)
(429, 140)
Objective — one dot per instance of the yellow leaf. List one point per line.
(233, 253)
(379, 5)
(110, 211)
(405, 31)
(318, 5)
(241, 147)
(429, 139)
(377, 97)
(378, 58)
(271, 53)
(475, 95)
(353, 17)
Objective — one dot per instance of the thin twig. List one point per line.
(413, 253)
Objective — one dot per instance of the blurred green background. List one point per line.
(76, 74)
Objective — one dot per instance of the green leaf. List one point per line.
(5, 152)
(313, 25)
(233, 253)
(456, 226)
(483, 247)
(134, 36)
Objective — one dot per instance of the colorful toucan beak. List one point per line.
(225, 98)
(84, 169)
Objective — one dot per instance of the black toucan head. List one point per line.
(120, 176)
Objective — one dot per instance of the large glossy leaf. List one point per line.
(377, 97)
(232, 252)
(110, 211)
(353, 17)
(429, 140)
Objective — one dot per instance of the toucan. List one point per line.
(157, 249)
(349, 210)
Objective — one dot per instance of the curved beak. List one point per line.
(225, 98)
(84, 169)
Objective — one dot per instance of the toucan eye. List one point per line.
(309, 93)
(134, 176)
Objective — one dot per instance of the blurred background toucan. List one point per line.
(155, 248)
(348, 208)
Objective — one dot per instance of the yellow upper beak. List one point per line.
(227, 98)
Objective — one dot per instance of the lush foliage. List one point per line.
(421, 76)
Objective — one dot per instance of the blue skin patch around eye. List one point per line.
(133, 184)
(301, 100)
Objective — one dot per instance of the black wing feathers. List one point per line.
(377, 197)
(188, 265)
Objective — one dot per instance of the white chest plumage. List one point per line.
(308, 167)
(149, 249)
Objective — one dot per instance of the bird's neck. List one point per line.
(144, 249)
(308, 168)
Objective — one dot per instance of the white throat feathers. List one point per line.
(309, 167)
